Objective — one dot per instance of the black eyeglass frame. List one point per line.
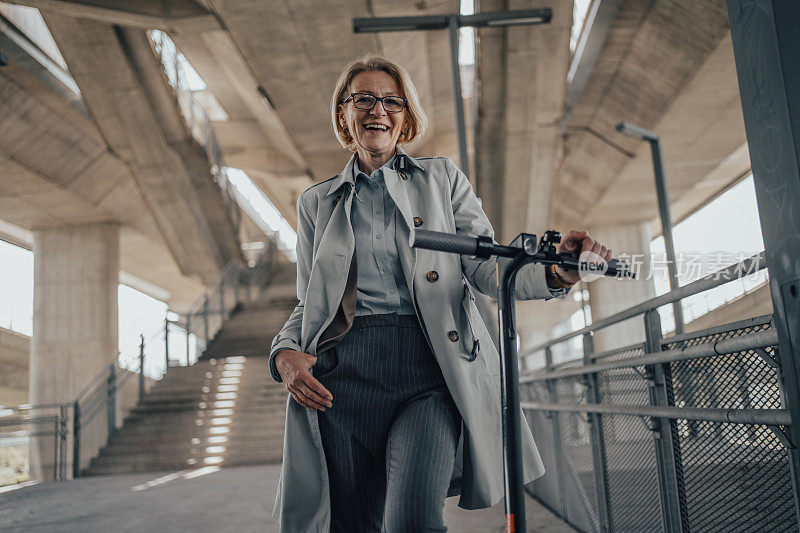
(377, 99)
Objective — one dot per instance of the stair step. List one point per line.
(197, 430)
(162, 433)
(179, 461)
(104, 469)
(148, 439)
(187, 448)
(193, 403)
(191, 419)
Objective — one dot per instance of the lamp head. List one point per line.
(637, 132)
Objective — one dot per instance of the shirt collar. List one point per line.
(357, 170)
(401, 161)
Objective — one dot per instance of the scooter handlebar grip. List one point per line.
(443, 242)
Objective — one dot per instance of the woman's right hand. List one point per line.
(305, 389)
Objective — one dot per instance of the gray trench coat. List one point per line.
(437, 196)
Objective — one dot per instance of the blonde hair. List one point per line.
(416, 119)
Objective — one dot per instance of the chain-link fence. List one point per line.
(47, 442)
(42, 430)
(693, 442)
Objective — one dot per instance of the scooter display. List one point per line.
(523, 250)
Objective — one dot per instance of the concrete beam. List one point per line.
(82, 182)
(116, 65)
(179, 16)
(649, 58)
(522, 74)
(24, 52)
(587, 52)
(701, 132)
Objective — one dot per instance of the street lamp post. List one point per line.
(663, 208)
(453, 23)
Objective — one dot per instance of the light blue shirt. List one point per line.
(381, 286)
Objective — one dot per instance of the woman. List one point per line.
(403, 407)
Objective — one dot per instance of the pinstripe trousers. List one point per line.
(390, 438)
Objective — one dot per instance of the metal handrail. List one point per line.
(675, 408)
(91, 383)
(750, 265)
(767, 417)
(216, 300)
(199, 126)
(751, 341)
(81, 410)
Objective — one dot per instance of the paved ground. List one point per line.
(235, 500)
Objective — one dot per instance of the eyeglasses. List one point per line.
(366, 101)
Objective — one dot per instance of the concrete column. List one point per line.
(609, 296)
(765, 44)
(76, 270)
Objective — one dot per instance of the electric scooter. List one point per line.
(522, 251)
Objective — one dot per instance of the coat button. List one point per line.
(403, 175)
(432, 276)
(417, 222)
(453, 335)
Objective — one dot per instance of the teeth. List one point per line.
(379, 127)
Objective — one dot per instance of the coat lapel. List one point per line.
(396, 186)
(335, 267)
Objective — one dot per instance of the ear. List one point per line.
(340, 117)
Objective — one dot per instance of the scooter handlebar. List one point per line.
(443, 242)
(465, 245)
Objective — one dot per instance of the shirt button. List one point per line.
(385, 269)
(432, 276)
(378, 212)
(453, 335)
(377, 236)
(417, 222)
(392, 291)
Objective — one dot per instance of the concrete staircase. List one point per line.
(224, 410)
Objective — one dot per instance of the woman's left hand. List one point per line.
(579, 242)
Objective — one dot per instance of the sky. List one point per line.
(722, 233)
(138, 312)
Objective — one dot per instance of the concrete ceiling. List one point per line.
(56, 170)
(114, 65)
(666, 65)
(523, 72)
(295, 51)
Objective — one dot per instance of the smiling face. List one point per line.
(374, 132)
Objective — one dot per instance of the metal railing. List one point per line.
(197, 122)
(212, 308)
(54, 427)
(235, 284)
(684, 433)
(51, 425)
(46, 423)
